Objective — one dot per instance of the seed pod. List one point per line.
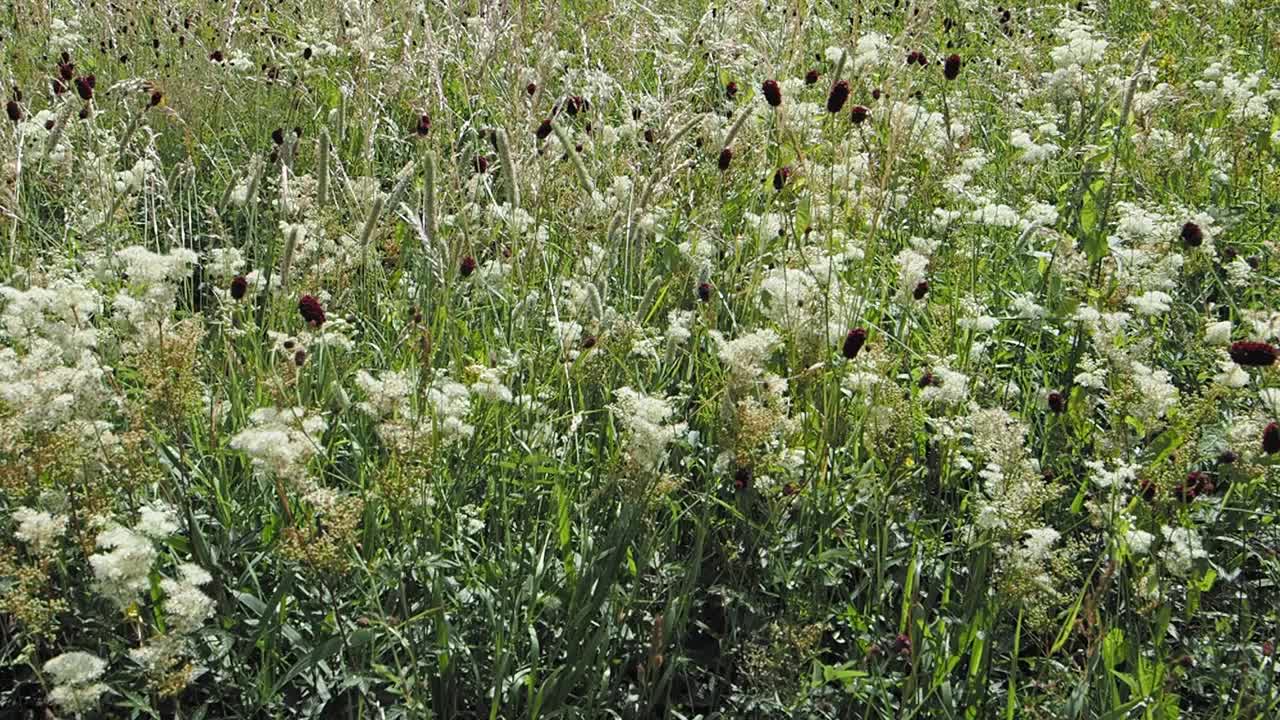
(839, 94)
(853, 343)
(726, 157)
(951, 68)
(772, 92)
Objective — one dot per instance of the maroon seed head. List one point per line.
(853, 342)
(467, 266)
(742, 477)
(951, 68)
(811, 77)
(531, 88)
(544, 129)
(1057, 402)
(311, 310)
(731, 90)
(781, 176)
(1271, 439)
(1253, 354)
(838, 96)
(772, 92)
(726, 157)
(921, 289)
(424, 125)
(239, 286)
(859, 114)
(84, 87)
(1192, 235)
(704, 291)
(14, 110)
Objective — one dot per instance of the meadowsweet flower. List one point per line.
(1151, 303)
(1038, 543)
(74, 674)
(948, 387)
(157, 521)
(1139, 541)
(1182, 548)
(1218, 333)
(1230, 374)
(123, 571)
(746, 355)
(39, 529)
(646, 420)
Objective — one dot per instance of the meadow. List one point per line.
(687, 360)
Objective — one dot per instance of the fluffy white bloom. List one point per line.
(1139, 541)
(280, 441)
(949, 387)
(678, 332)
(75, 668)
(1024, 306)
(1231, 375)
(746, 355)
(386, 394)
(1218, 333)
(1157, 395)
(645, 418)
(39, 529)
(1181, 549)
(1270, 398)
(122, 572)
(185, 606)
(1038, 543)
(74, 674)
(1121, 476)
(488, 385)
(451, 402)
(157, 520)
(1151, 303)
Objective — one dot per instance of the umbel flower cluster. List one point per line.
(640, 360)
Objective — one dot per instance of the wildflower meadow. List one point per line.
(640, 359)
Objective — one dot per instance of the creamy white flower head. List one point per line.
(746, 355)
(185, 606)
(39, 529)
(1218, 333)
(123, 571)
(1230, 374)
(1181, 549)
(645, 417)
(1270, 398)
(1038, 543)
(1151, 303)
(949, 387)
(75, 668)
(1139, 541)
(157, 520)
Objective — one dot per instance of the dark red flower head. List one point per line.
(216, 56)
(1253, 354)
(424, 125)
(742, 477)
(1192, 235)
(311, 310)
(781, 176)
(544, 129)
(772, 92)
(1057, 401)
(84, 86)
(156, 98)
(839, 94)
(921, 289)
(1271, 439)
(239, 286)
(731, 90)
(951, 68)
(481, 164)
(913, 57)
(467, 266)
(726, 157)
(66, 70)
(14, 110)
(531, 88)
(859, 114)
(704, 291)
(277, 136)
(574, 104)
(853, 342)
(1147, 489)
(811, 77)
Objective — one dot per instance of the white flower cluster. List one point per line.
(646, 419)
(39, 529)
(75, 676)
(281, 441)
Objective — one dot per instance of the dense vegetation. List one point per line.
(618, 360)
